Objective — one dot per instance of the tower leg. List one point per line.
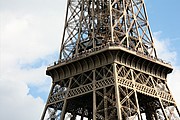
(118, 105)
(46, 107)
(137, 103)
(94, 96)
(65, 101)
(105, 104)
(44, 112)
(63, 111)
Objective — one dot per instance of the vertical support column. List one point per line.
(163, 110)
(118, 105)
(44, 112)
(60, 53)
(125, 21)
(111, 20)
(135, 92)
(94, 95)
(149, 29)
(105, 104)
(93, 22)
(46, 106)
(65, 101)
(80, 26)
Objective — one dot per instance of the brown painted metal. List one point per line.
(91, 23)
(108, 68)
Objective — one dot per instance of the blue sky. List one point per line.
(164, 16)
(30, 35)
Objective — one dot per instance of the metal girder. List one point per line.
(98, 89)
(108, 68)
(135, 83)
(93, 23)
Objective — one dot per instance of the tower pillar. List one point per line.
(108, 68)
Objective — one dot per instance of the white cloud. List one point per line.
(30, 35)
(31, 30)
(164, 48)
(165, 51)
(16, 103)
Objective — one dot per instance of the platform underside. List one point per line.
(110, 85)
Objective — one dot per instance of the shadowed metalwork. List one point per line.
(91, 23)
(108, 68)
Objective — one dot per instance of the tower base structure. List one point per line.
(110, 82)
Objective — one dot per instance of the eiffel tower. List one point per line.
(108, 68)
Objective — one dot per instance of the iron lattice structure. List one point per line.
(91, 23)
(108, 68)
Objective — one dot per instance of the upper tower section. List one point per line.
(93, 23)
